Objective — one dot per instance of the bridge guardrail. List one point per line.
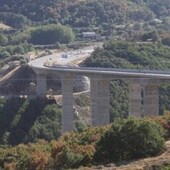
(65, 67)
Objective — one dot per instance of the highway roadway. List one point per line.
(62, 58)
(61, 62)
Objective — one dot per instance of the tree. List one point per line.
(130, 139)
(48, 125)
(51, 34)
(14, 20)
(151, 35)
(3, 40)
(166, 41)
(4, 54)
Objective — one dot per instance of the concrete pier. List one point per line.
(67, 103)
(100, 101)
(151, 100)
(148, 81)
(41, 86)
(135, 105)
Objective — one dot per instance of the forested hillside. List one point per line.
(132, 20)
(122, 54)
(23, 120)
(83, 13)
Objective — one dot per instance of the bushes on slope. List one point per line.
(123, 140)
(130, 139)
(164, 121)
(23, 120)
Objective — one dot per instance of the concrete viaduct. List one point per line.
(145, 81)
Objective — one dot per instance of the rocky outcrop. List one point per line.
(82, 83)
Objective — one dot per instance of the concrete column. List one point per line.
(151, 100)
(100, 101)
(67, 103)
(41, 86)
(135, 105)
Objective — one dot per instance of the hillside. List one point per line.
(38, 23)
(42, 22)
(129, 140)
(23, 120)
(160, 162)
(84, 13)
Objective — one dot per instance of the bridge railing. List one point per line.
(68, 67)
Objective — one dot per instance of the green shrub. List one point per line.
(87, 137)
(71, 156)
(51, 34)
(130, 139)
(3, 39)
(19, 37)
(4, 54)
(14, 20)
(166, 41)
(165, 167)
(164, 121)
(47, 125)
(79, 127)
(29, 120)
(82, 100)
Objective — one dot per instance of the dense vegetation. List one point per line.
(132, 56)
(132, 20)
(21, 42)
(14, 20)
(129, 139)
(101, 16)
(85, 13)
(165, 167)
(121, 54)
(75, 149)
(51, 34)
(23, 120)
